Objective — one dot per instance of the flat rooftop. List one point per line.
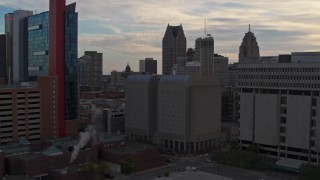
(131, 148)
(191, 175)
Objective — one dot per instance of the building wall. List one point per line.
(148, 65)
(141, 106)
(246, 116)
(9, 45)
(285, 100)
(49, 116)
(71, 79)
(20, 45)
(188, 113)
(173, 111)
(90, 70)
(2, 57)
(298, 120)
(38, 45)
(221, 69)
(266, 115)
(174, 45)
(205, 112)
(204, 54)
(20, 114)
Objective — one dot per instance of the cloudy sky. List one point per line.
(128, 30)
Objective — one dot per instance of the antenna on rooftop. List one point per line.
(249, 28)
(205, 26)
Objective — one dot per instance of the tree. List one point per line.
(96, 170)
(127, 165)
(103, 168)
(89, 168)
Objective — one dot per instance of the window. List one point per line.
(313, 122)
(282, 129)
(313, 133)
(283, 110)
(314, 102)
(313, 143)
(282, 139)
(283, 100)
(313, 113)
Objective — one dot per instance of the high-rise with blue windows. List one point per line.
(52, 51)
(38, 45)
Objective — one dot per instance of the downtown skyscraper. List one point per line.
(249, 49)
(52, 52)
(174, 45)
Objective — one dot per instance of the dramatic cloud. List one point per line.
(126, 31)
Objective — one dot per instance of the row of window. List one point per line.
(291, 69)
(277, 84)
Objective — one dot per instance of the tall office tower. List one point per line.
(249, 49)
(52, 51)
(220, 64)
(9, 42)
(71, 79)
(20, 59)
(2, 58)
(148, 65)
(280, 107)
(204, 54)
(174, 45)
(90, 70)
(188, 113)
(38, 45)
(141, 107)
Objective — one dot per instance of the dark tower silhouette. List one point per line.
(174, 45)
(249, 49)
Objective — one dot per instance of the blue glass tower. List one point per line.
(39, 55)
(71, 93)
(38, 45)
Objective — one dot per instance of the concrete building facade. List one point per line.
(141, 107)
(20, 50)
(188, 113)
(2, 58)
(279, 109)
(114, 120)
(220, 68)
(20, 114)
(9, 45)
(148, 65)
(204, 54)
(90, 69)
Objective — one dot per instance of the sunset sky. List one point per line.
(126, 31)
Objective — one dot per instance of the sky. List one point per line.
(126, 31)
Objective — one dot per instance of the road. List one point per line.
(200, 164)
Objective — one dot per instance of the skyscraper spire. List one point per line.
(249, 28)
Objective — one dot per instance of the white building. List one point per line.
(280, 109)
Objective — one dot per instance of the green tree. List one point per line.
(103, 168)
(89, 168)
(127, 165)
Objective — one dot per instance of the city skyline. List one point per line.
(128, 31)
